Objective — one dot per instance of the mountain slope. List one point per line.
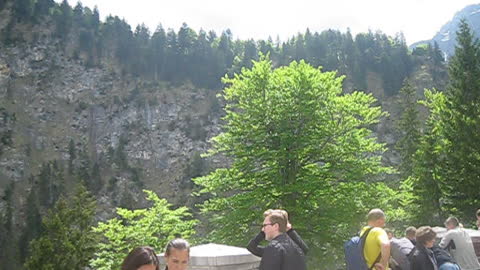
(447, 35)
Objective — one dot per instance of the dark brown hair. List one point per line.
(425, 234)
(410, 231)
(140, 256)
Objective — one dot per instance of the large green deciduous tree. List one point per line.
(296, 142)
(68, 240)
(153, 226)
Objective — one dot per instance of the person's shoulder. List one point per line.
(276, 243)
(378, 231)
(404, 242)
(455, 231)
(416, 252)
(396, 242)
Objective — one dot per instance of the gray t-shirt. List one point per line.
(464, 252)
(399, 250)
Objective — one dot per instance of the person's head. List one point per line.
(274, 223)
(452, 223)
(141, 258)
(376, 218)
(390, 234)
(478, 214)
(410, 232)
(270, 211)
(425, 236)
(177, 254)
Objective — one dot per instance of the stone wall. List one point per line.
(219, 257)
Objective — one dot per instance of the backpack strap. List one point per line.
(376, 260)
(364, 237)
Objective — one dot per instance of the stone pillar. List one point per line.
(219, 257)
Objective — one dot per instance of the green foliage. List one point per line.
(68, 240)
(23, 10)
(427, 184)
(71, 155)
(33, 223)
(7, 123)
(409, 127)
(153, 226)
(445, 176)
(51, 183)
(461, 125)
(203, 58)
(63, 20)
(296, 142)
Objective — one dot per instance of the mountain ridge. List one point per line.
(446, 36)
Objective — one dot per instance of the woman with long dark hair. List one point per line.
(141, 258)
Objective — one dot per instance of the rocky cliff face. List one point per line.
(148, 134)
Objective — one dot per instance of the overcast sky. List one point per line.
(258, 19)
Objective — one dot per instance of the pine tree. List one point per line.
(43, 8)
(462, 123)
(23, 10)
(68, 240)
(72, 156)
(158, 45)
(409, 127)
(427, 182)
(33, 226)
(63, 20)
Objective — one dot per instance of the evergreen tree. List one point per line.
(186, 41)
(427, 183)
(33, 225)
(157, 48)
(78, 18)
(43, 8)
(409, 128)
(23, 10)
(172, 53)
(203, 64)
(71, 155)
(63, 20)
(68, 240)
(462, 123)
(8, 241)
(51, 183)
(95, 182)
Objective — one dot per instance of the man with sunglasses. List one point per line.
(282, 253)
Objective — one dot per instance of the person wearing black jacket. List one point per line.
(422, 257)
(444, 260)
(257, 250)
(282, 253)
